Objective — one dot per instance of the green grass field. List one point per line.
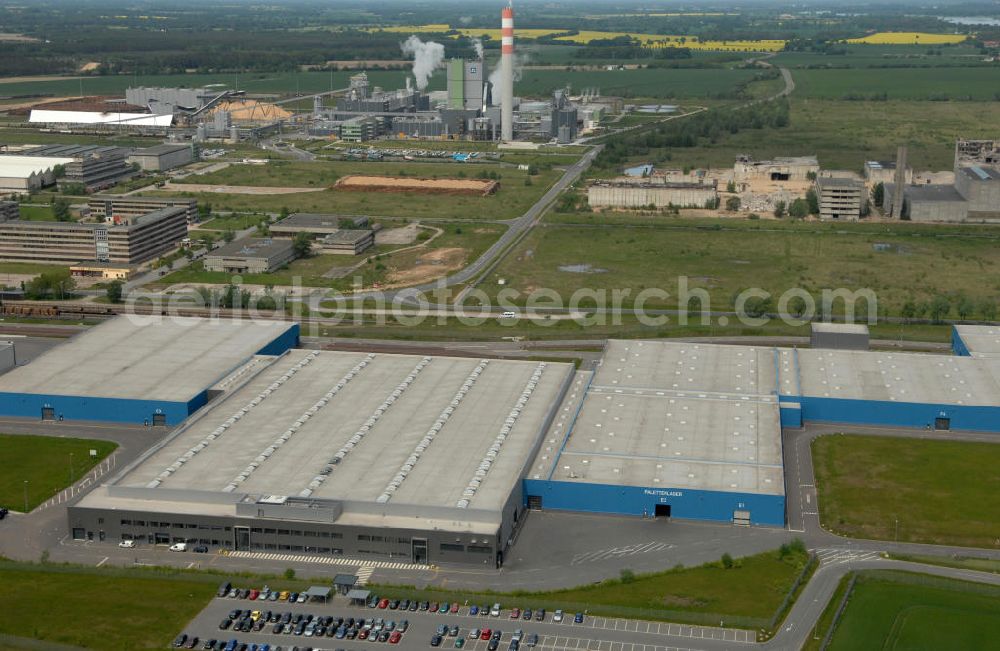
(818, 126)
(45, 463)
(97, 611)
(39, 213)
(869, 56)
(980, 83)
(659, 83)
(940, 492)
(913, 612)
(231, 223)
(726, 261)
(511, 200)
(749, 593)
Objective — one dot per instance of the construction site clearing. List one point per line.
(363, 183)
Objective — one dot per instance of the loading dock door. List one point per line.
(48, 413)
(741, 518)
(534, 502)
(942, 423)
(661, 510)
(159, 420)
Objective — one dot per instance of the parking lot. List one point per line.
(592, 634)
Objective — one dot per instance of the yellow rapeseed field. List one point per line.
(908, 38)
(586, 36)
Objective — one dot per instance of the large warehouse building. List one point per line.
(157, 373)
(436, 459)
(393, 456)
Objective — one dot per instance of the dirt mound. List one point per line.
(361, 183)
(428, 266)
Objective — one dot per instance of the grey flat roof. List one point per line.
(839, 181)
(170, 359)
(159, 150)
(438, 476)
(981, 341)
(891, 377)
(929, 193)
(674, 415)
(348, 236)
(252, 247)
(306, 221)
(840, 328)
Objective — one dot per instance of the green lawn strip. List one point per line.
(940, 84)
(922, 491)
(815, 641)
(110, 607)
(958, 562)
(33, 268)
(746, 595)
(728, 261)
(232, 222)
(45, 462)
(902, 610)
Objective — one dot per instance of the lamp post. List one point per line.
(25, 495)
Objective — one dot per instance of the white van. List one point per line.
(179, 547)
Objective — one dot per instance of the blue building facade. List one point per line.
(642, 501)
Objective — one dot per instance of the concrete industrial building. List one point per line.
(347, 242)
(839, 336)
(796, 168)
(841, 198)
(339, 453)
(127, 241)
(880, 171)
(642, 193)
(974, 197)
(107, 207)
(467, 84)
(93, 166)
(9, 210)
(251, 255)
(316, 224)
(162, 157)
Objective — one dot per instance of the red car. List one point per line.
(383, 604)
(454, 608)
(486, 634)
(363, 635)
(254, 594)
(515, 613)
(395, 637)
(434, 607)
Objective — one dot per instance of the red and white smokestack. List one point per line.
(507, 73)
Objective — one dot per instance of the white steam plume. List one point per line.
(478, 46)
(465, 20)
(496, 76)
(426, 58)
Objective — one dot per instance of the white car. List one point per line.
(179, 547)
(474, 634)
(127, 544)
(495, 610)
(557, 616)
(508, 315)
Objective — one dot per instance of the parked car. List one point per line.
(495, 610)
(473, 609)
(225, 624)
(403, 625)
(224, 589)
(515, 613)
(578, 618)
(383, 636)
(200, 549)
(434, 607)
(474, 634)
(486, 634)
(557, 616)
(540, 615)
(192, 642)
(436, 640)
(179, 547)
(180, 640)
(394, 604)
(254, 593)
(454, 608)
(459, 643)
(492, 646)
(453, 631)
(383, 604)
(424, 605)
(532, 640)
(395, 637)
(127, 544)
(3, 512)
(444, 608)
(526, 615)
(303, 597)
(442, 629)
(283, 596)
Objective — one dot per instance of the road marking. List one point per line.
(329, 560)
(103, 561)
(364, 574)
